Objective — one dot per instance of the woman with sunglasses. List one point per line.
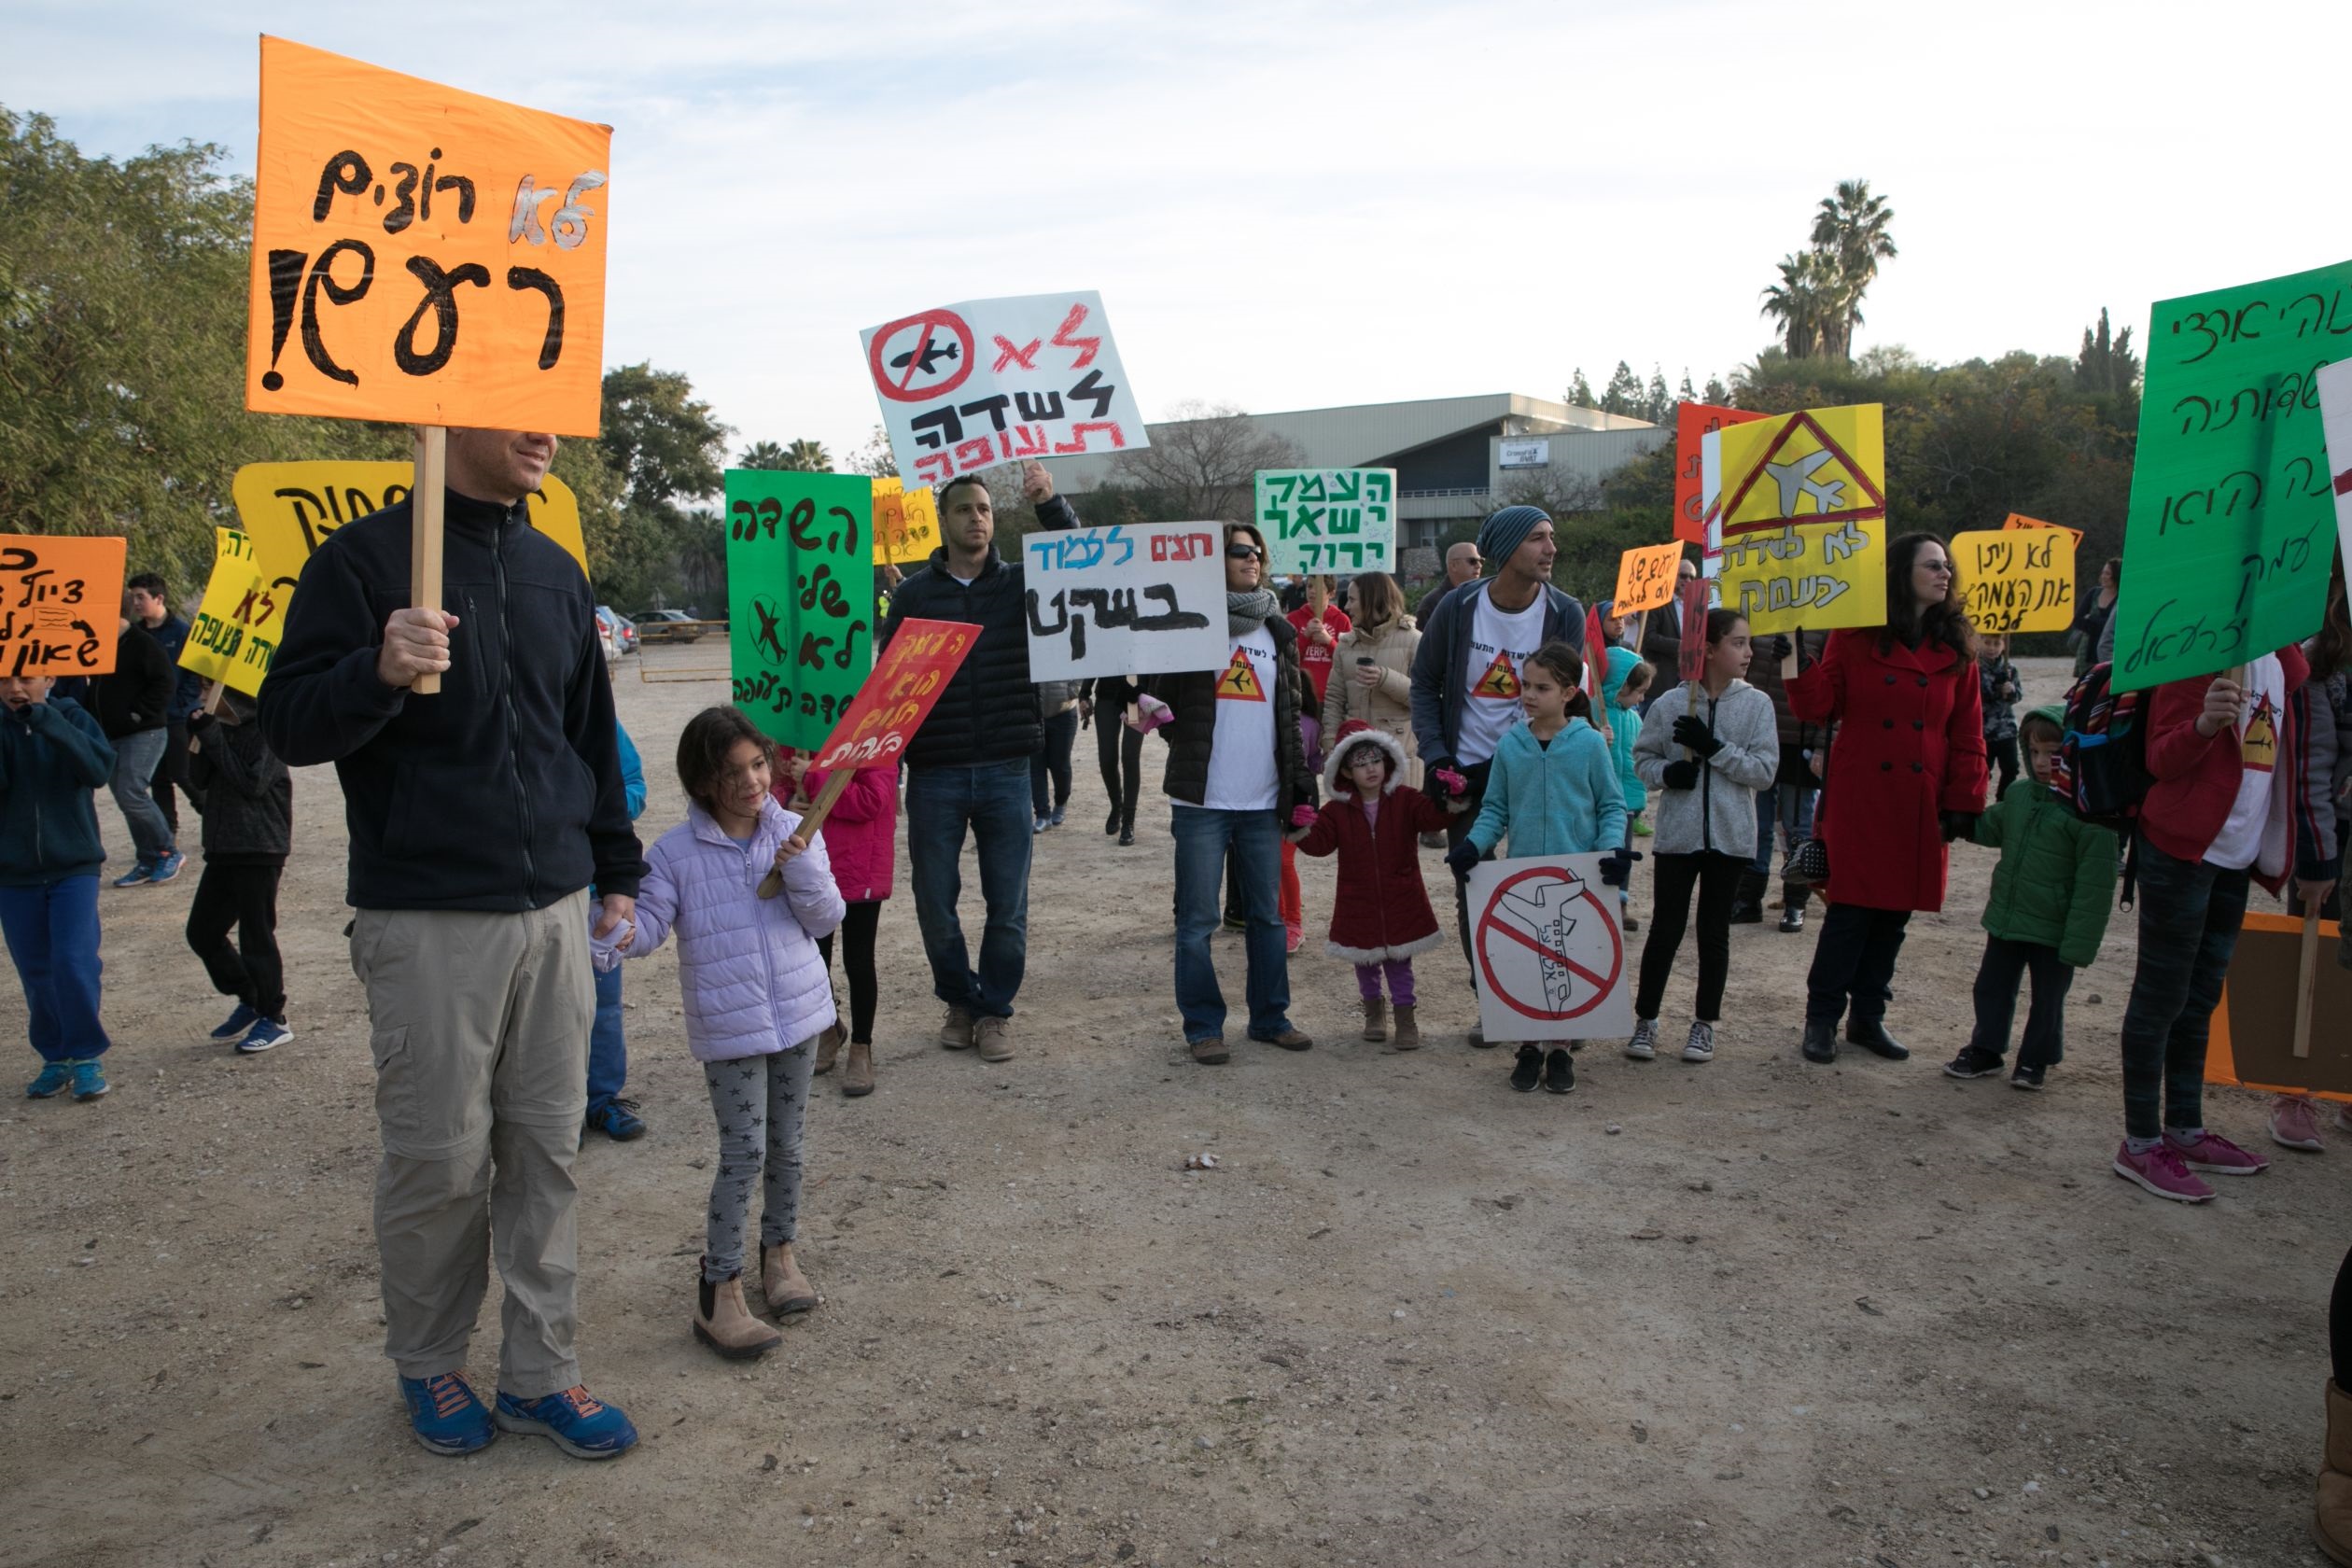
(1906, 778)
(1237, 775)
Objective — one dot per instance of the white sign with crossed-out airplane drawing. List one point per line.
(1550, 957)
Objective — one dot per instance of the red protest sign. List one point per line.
(898, 697)
(1692, 421)
(1693, 651)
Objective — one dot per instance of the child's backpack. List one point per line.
(2101, 771)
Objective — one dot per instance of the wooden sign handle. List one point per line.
(835, 782)
(2307, 980)
(214, 692)
(424, 531)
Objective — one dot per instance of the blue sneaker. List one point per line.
(53, 1081)
(265, 1033)
(617, 1121)
(240, 1020)
(168, 867)
(90, 1079)
(580, 1425)
(448, 1417)
(135, 876)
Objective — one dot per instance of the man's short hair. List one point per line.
(151, 583)
(959, 479)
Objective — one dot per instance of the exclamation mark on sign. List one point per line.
(286, 281)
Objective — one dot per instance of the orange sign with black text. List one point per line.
(423, 254)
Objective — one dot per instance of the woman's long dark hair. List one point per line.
(1945, 621)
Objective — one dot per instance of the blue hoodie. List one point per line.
(53, 757)
(1624, 727)
(1560, 799)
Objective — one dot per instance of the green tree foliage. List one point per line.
(1623, 394)
(1579, 393)
(664, 449)
(123, 313)
(875, 456)
(1817, 302)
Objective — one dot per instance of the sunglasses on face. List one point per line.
(1243, 553)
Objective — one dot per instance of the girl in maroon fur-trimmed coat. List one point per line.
(1381, 916)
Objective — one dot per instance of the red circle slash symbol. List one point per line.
(1588, 950)
(919, 357)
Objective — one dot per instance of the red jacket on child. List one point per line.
(1381, 910)
(859, 831)
(2195, 777)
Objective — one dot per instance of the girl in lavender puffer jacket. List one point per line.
(756, 999)
(859, 840)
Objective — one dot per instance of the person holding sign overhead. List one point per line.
(968, 767)
(1466, 690)
(478, 817)
(1906, 778)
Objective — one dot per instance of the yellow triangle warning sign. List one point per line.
(1501, 681)
(1240, 681)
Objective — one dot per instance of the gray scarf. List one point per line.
(1249, 612)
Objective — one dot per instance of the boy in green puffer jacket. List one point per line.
(2049, 910)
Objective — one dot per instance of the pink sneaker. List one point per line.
(2160, 1172)
(2294, 1121)
(2212, 1152)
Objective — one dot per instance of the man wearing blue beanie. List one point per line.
(1466, 675)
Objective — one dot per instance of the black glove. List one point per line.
(1616, 867)
(199, 721)
(1778, 650)
(1463, 857)
(1959, 824)
(1691, 730)
(1682, 775)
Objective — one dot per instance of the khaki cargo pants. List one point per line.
(479, 1026)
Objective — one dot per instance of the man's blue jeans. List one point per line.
(2189, 919)
(992, 801)
(1202, 840)
(135, 760)
(52, 933)
(608, 1046)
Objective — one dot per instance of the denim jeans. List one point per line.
(1791, 810)
(992, 801)
(2005, 964)
(52, 933)
(607, 1045)
(1202, 839)
(135, 760)
(2188, 917)
(1855, 959)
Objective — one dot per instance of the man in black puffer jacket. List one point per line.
(478, 817)
(969, 765)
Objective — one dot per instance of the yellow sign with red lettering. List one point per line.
(423, 254)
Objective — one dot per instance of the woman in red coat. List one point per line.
(1381, 916)
(1906, 778)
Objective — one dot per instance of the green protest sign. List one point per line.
(2226, 547)
(800, 599)
(1328, 520)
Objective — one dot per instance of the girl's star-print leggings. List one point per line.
(758, 1102)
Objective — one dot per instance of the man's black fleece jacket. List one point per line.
(502, 792)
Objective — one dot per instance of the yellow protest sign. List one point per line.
(289, 507)
(1814, 466)
(61, 604)
(2018, 520)
(906, 522)
(2017, 579)
(236, 630)
(423, 254)
(1646, 577)
(1818, 577)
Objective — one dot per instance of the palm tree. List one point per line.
(1852, 229)
(808, 457)
(1802, 302)
(764, 454)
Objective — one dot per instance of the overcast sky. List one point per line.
(1298, 205)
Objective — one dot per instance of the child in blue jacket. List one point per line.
(53, 757)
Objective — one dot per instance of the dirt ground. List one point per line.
(1756, 1312)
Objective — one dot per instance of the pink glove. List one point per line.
(1302, 815)
(1155, 713)
(1451, 782)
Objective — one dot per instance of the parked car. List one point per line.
(669, 625)
(623, 630)
(662, 615)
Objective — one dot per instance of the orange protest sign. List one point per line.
(2018, 520)
(423, 254)
(1693, 423)
(1646, 578)
(61, 604)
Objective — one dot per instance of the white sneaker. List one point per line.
(1644, 1045)
(1700, 1046)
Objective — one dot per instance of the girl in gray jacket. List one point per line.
(1707, 745)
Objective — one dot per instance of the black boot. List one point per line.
(1111, 825)
(1127, 829)
(1793, 897)
(1747, 903)
(1821, 1040)
(1872, 1037)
